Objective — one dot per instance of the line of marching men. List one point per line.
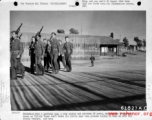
(52, 51)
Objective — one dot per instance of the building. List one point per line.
(83, 45)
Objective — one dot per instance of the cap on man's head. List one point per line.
(39, 35)
(66, 37)
(33, 37)
(53, 33)
(48, 40)
(14, 32)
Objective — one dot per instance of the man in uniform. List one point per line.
(50, 56)
(32, 54)
(21, 68)
(55, 50)
(92, 58)
(16, 53)
(46, 55)
(68, 46)
(39, 53)
(62, 55)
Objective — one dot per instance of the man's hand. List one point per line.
(18, 56)
(59, 54)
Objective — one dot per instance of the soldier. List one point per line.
(21, 68)
(32, 55)
(68, 46)
(39, 53)
(16, 52)
(62, 55)
(46, 57)
(92, 58)
(55, 52)
(50, 56)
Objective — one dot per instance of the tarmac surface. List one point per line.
(114, 83)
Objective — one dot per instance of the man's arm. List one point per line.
(71, 48)
(30, 50)
(43, 49)
(21, 50)
(58, 47)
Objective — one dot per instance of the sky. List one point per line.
(128, 24)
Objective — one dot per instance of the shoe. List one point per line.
(57, 72)
(65, 70)
(42, 72)
(52, 72)
(23, 75)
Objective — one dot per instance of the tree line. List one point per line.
(140, 43)
(71, 31)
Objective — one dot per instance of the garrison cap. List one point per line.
(53, 33)
(14, 32)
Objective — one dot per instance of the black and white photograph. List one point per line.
(78, 60)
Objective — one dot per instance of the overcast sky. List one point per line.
(125, 23)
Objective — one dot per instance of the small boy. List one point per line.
(92, 58)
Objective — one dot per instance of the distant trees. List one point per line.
(126, 43)
(144, 44)
(73, 31)
(139, 42)
(112, 35)
(60, 31)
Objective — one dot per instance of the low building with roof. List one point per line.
(83, 45)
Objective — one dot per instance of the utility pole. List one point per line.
(81, 28)
(120, 38)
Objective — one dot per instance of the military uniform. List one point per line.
(16, 65)
(50, 56)
(55, 50)
(46, 57)
(62, 56)
(92, 58)
(68, 46)
(39, 52)
(32, 57)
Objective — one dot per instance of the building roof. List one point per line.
(108, 41)
(90, 39)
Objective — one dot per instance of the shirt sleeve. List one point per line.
(58, 46)
(43, 49)
(71, 48)
(30, 50)
(63, 49)
(20, 48)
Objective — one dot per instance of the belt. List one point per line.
(15, 51)
(55, 49)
